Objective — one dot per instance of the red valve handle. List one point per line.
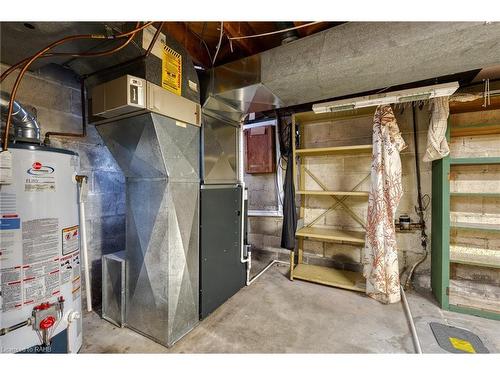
(47, 322)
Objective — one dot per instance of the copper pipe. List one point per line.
(42, 52)
(82, 54)
(83, 134)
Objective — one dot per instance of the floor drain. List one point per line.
(457, 340)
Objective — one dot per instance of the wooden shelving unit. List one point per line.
(444, 254)
(315, 273)
(330, 276)
(356, 149)
(329, 192)
(331, 235)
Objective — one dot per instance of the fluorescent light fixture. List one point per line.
(402, 96)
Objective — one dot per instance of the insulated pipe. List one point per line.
(25, 124)
(82, 180)
(413, 330)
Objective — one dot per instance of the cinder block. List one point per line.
(270, 226)
(256, 240)
(343, 253)
(313, 247)
(39, 93)
(271, 242)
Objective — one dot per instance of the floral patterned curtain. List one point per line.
(380, 256)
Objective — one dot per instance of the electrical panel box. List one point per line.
(260, 152)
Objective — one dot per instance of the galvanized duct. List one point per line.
(26, 126)
(160, 161)
(348, 59)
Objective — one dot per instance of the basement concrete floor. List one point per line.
(275, 315)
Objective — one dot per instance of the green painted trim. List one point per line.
(440, 242)
(473, 161)
(475, 312)
(485, 195)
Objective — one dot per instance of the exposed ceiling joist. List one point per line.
(193, 45)
(235, 29)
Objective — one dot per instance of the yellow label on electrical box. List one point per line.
(462, 345)
(171, 75)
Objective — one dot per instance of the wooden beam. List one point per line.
(181, 32)
(474, 105)
(301, 30)
(235, 29)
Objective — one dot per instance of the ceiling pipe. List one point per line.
(288, 36)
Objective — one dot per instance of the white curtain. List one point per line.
(437, 145)
(380, 255)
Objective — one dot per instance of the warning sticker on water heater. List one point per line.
(70, 239)
(41, 281)
(11, 287)
(171, 72)
(40, 177)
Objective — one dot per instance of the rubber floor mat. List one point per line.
(457, 340)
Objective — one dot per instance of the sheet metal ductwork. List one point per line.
(160, 161)
(25, 126)
(158, 150)
(350, 58)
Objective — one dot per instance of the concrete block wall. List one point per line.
(54, 95)
(343, 173)
(476, 286)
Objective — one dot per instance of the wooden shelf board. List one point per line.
(474, 262)
(474, 129)
(486, 195)
(330, 192)
(355, 149)
(330, 276)
(475, 226)
(474, 161)
(331, 234)
(474, 256)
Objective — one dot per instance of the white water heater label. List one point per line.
(40, 240)
(70, 239)
(41, 281)
(40, 177)
(5, 167)
(12, 293)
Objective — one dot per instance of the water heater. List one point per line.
(40, 297)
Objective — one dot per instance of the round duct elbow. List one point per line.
(25, 126)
